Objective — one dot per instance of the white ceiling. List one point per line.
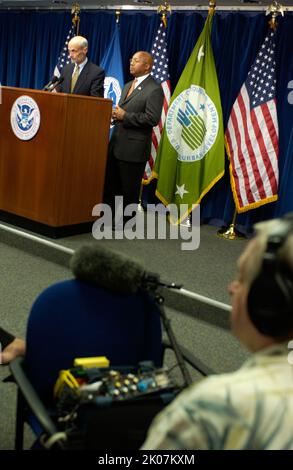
(141, 4)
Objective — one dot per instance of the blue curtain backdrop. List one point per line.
(30, 42)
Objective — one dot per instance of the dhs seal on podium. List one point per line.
(25, 118)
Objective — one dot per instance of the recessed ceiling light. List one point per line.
(251, 1)
(144, 2)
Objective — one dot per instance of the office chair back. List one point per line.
(76, 319)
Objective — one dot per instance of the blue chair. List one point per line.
(75, 319)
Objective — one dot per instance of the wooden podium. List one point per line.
(55, 179)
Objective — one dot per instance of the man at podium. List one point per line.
(81, 77)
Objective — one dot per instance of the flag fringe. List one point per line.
(145, 182)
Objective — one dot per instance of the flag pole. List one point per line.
(274, 9)
(188, 221)
(75, 12)
(162, 10)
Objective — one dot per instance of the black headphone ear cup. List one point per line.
(270, 305)
(270, 298)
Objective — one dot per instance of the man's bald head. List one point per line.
(78, 41)
(77, 49)
(141, 63)
(147, 57)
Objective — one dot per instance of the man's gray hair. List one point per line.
(80, 40)
(263, 231)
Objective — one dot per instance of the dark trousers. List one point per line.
(122, 179)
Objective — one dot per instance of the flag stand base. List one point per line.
(140, 208)
(186, 222)
(230, 233)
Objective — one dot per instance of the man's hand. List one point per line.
(14, 349)
(118, 114)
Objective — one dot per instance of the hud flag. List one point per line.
(191, 155)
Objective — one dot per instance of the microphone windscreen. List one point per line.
(104, 268)
(54, 79)
(60, 80)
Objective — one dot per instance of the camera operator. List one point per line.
(251, 408)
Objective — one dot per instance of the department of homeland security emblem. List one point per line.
(192, 124)
(25, 117)
(112, 90)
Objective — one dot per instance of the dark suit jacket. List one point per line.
(131, 138)
(90, 81)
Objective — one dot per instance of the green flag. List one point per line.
(190, 158)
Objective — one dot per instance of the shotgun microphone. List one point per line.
(112, 271)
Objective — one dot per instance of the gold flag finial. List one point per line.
(117, 14)
(164, 10)
(275, 9)
(75, 11)
(212, 5)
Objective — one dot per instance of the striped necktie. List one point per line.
(74, 77)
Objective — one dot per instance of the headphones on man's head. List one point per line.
(270, 299)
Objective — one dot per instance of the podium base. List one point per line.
(43, 229)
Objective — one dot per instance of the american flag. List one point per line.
(160, 73)
(64, 58)
(252, 134)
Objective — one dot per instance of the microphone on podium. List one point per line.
(55, 81)
(112, 271)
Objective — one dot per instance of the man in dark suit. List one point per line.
(138, 111)
(81, 77)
